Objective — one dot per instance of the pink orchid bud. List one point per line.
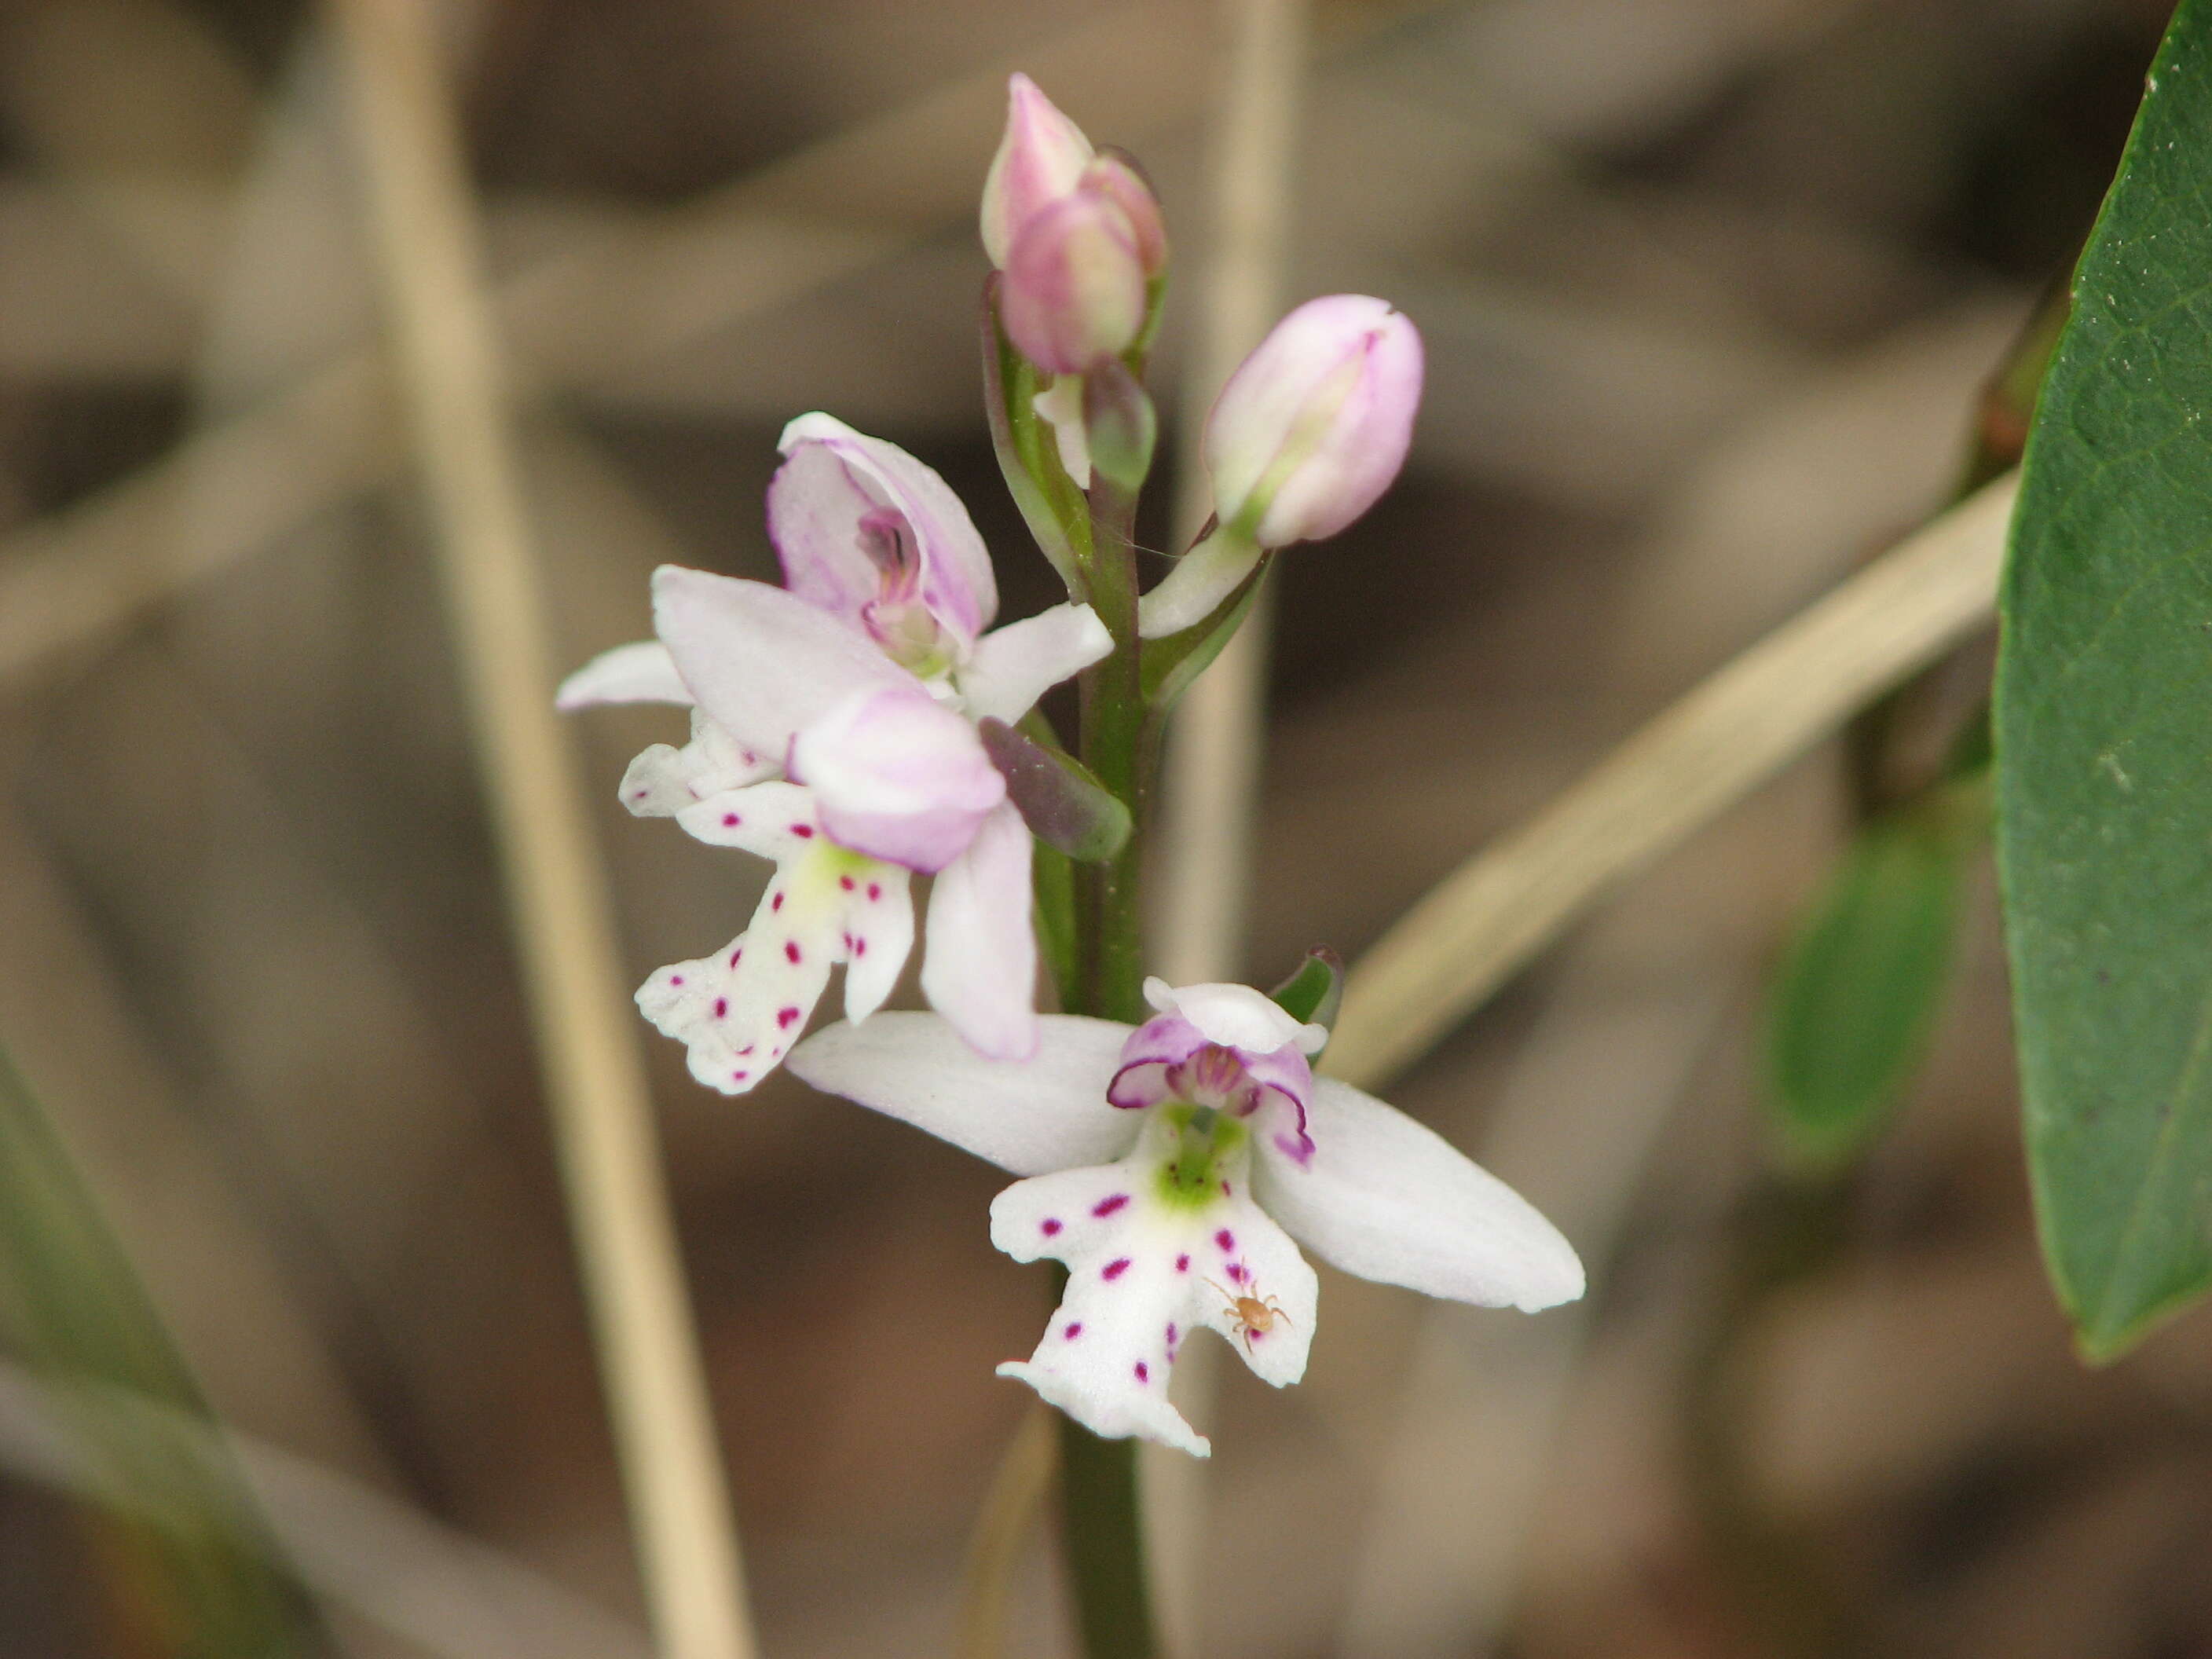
(1314, 424)
(1074, 289)
(1040, 159)
(1115, 176)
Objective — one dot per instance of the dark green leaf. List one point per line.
(2104, 738)
(1858, 993)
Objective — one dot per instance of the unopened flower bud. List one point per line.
(1114, 176)
(1074, 289)
(1314, 424)
(1040, 159)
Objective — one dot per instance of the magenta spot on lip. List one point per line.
(859, 947)
(739, 1076)
(735, 954)
(640, 794)
(1236, 1273)
(803, 831)
(722, 1007)
(1226, 1239)
(1114, 1268)
(1106, 1206)
(790, 950)
(1075, 1330)
(1224, 1190)
(777, 903)
(1171, 1334)
(845, 882)
(676, 979)
(1049, 1227)
(743, 1052)
(730, 820)
(1183, 1264)
(784, 1016)
(1144, 1372)
(875, 890)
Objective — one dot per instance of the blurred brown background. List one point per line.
(1708, 288)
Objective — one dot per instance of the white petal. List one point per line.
(777, 820)
(1142, 1272)
(1195, 589)
(981, 969)
(1235, 1015)
(1388, 1200)
(763, 662)
(878, 936)
(690, 1001)
(642, 672)
(665, 780)
(1059, 405)
(1029, 1116)
(1014, 665)
(1105, 1356)
(740, 1013)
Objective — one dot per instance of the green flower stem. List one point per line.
(1105, 1544)
(1104, 1528)
(1114, 747)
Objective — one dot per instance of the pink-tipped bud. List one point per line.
(1314, 424)
(1074, 290)
(1113, 175)
(1039, 161)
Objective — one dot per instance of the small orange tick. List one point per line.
(1255, 1316)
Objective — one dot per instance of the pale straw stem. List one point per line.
(1714, 746)
(427, 241)
(1002, 1529)
(1219, 737)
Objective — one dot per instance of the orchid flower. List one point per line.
(1174, 1168)
(833, 732)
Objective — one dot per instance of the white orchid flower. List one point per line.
(833, 732)
(1175, 1168)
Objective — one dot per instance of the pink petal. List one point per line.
(897, 775)
(814, 521)
(762, 662)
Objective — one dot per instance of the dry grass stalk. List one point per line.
(1213, 783)
(1725, 738)
(426, 238)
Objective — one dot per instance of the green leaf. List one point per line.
(1313, 994)
(1858, 993)
(2104, 738)
(71, 1303)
